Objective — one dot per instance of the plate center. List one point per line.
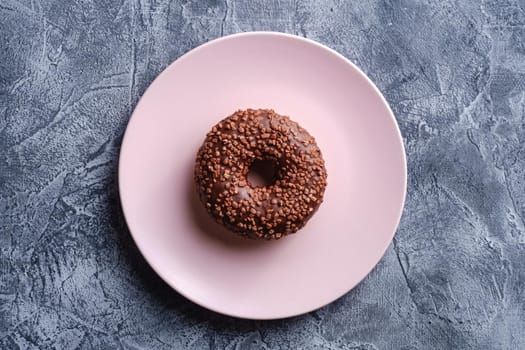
(262, 173)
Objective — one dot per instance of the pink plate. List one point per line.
(353, 126)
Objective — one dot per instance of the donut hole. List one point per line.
(262, 173)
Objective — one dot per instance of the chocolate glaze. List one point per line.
(223, 163)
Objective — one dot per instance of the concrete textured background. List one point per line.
(70, 75)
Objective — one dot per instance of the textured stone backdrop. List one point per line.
(70, 75)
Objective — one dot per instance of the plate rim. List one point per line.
(188, 55)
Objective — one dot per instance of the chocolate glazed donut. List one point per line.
(223, 163)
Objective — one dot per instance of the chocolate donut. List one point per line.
(223, 163)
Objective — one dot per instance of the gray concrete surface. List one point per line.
(70, 75)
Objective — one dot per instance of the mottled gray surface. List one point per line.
(70, 75)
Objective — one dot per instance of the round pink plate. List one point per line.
(361, 145)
